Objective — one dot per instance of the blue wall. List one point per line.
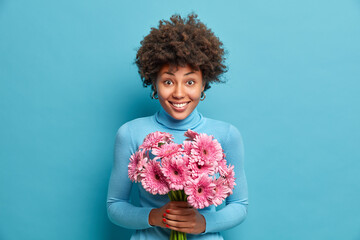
(67, 82)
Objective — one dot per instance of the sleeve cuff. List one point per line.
(145, 217)
(209, 221)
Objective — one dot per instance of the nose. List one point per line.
(179, 92)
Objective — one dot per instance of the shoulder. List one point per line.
(133, 126)
(229, 136)
(220, 125)
(226, 132)
(130, 133)
(137, 122)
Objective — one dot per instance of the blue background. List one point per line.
(68, 82)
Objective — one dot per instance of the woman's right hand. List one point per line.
(178, 216)
(156, 216)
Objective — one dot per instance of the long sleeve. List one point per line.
(128, 138)
(120, 211)
(235, 210)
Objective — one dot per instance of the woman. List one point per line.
(179, 60)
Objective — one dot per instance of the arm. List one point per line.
(235, 210)
(119, 210)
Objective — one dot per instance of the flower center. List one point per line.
(176, 173)
(199, 190)
(199, 167)
(157, 177)
(204, 151)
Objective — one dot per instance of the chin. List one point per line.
(180, 116)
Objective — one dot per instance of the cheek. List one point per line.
(163, 93)
(195, 95)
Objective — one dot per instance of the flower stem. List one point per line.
(178, 195)
(174, 195)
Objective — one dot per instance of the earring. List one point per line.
(203, 96)
(154, 95)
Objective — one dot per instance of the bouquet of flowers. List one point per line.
(194, 171)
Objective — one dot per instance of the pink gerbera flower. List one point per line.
(200, 191)
(221, 191)
(190, 134)
(186, 161)
(153, 180)
(187, 146)
(221, 167)
(198, 167)
(229, 177)
(136, 166)
(208, 149)
(166, 150)
(175, 172)
(155, 140)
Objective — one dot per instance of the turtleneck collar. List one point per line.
(190, 122)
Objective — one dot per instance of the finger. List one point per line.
(184, 217)
(179, 211)
(178, 224)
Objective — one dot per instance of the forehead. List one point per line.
(174, 69)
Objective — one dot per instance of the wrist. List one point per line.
(151, 217)
(204, 221)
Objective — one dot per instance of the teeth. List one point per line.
(179, 105)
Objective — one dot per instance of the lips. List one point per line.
(179, 105)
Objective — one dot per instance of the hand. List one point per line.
(178, 216)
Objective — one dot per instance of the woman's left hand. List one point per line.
(182, 217)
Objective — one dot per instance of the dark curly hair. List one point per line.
(179, 42)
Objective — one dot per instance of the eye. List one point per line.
(167, 82)
(191, 82)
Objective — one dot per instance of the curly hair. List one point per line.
(179, 42)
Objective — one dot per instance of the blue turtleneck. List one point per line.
(131, 135)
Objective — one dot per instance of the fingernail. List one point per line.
(167, 225)
(164, 214)
(164, 220)
(167, 210)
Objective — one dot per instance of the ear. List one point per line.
(203, 86)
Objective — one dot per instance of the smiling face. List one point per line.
(179, 90)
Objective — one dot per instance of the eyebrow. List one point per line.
(170, 73)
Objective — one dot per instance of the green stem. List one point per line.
(178, 195)
(174, 196)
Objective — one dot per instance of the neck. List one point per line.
(190, 122)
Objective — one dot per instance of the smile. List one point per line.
(179, 105)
